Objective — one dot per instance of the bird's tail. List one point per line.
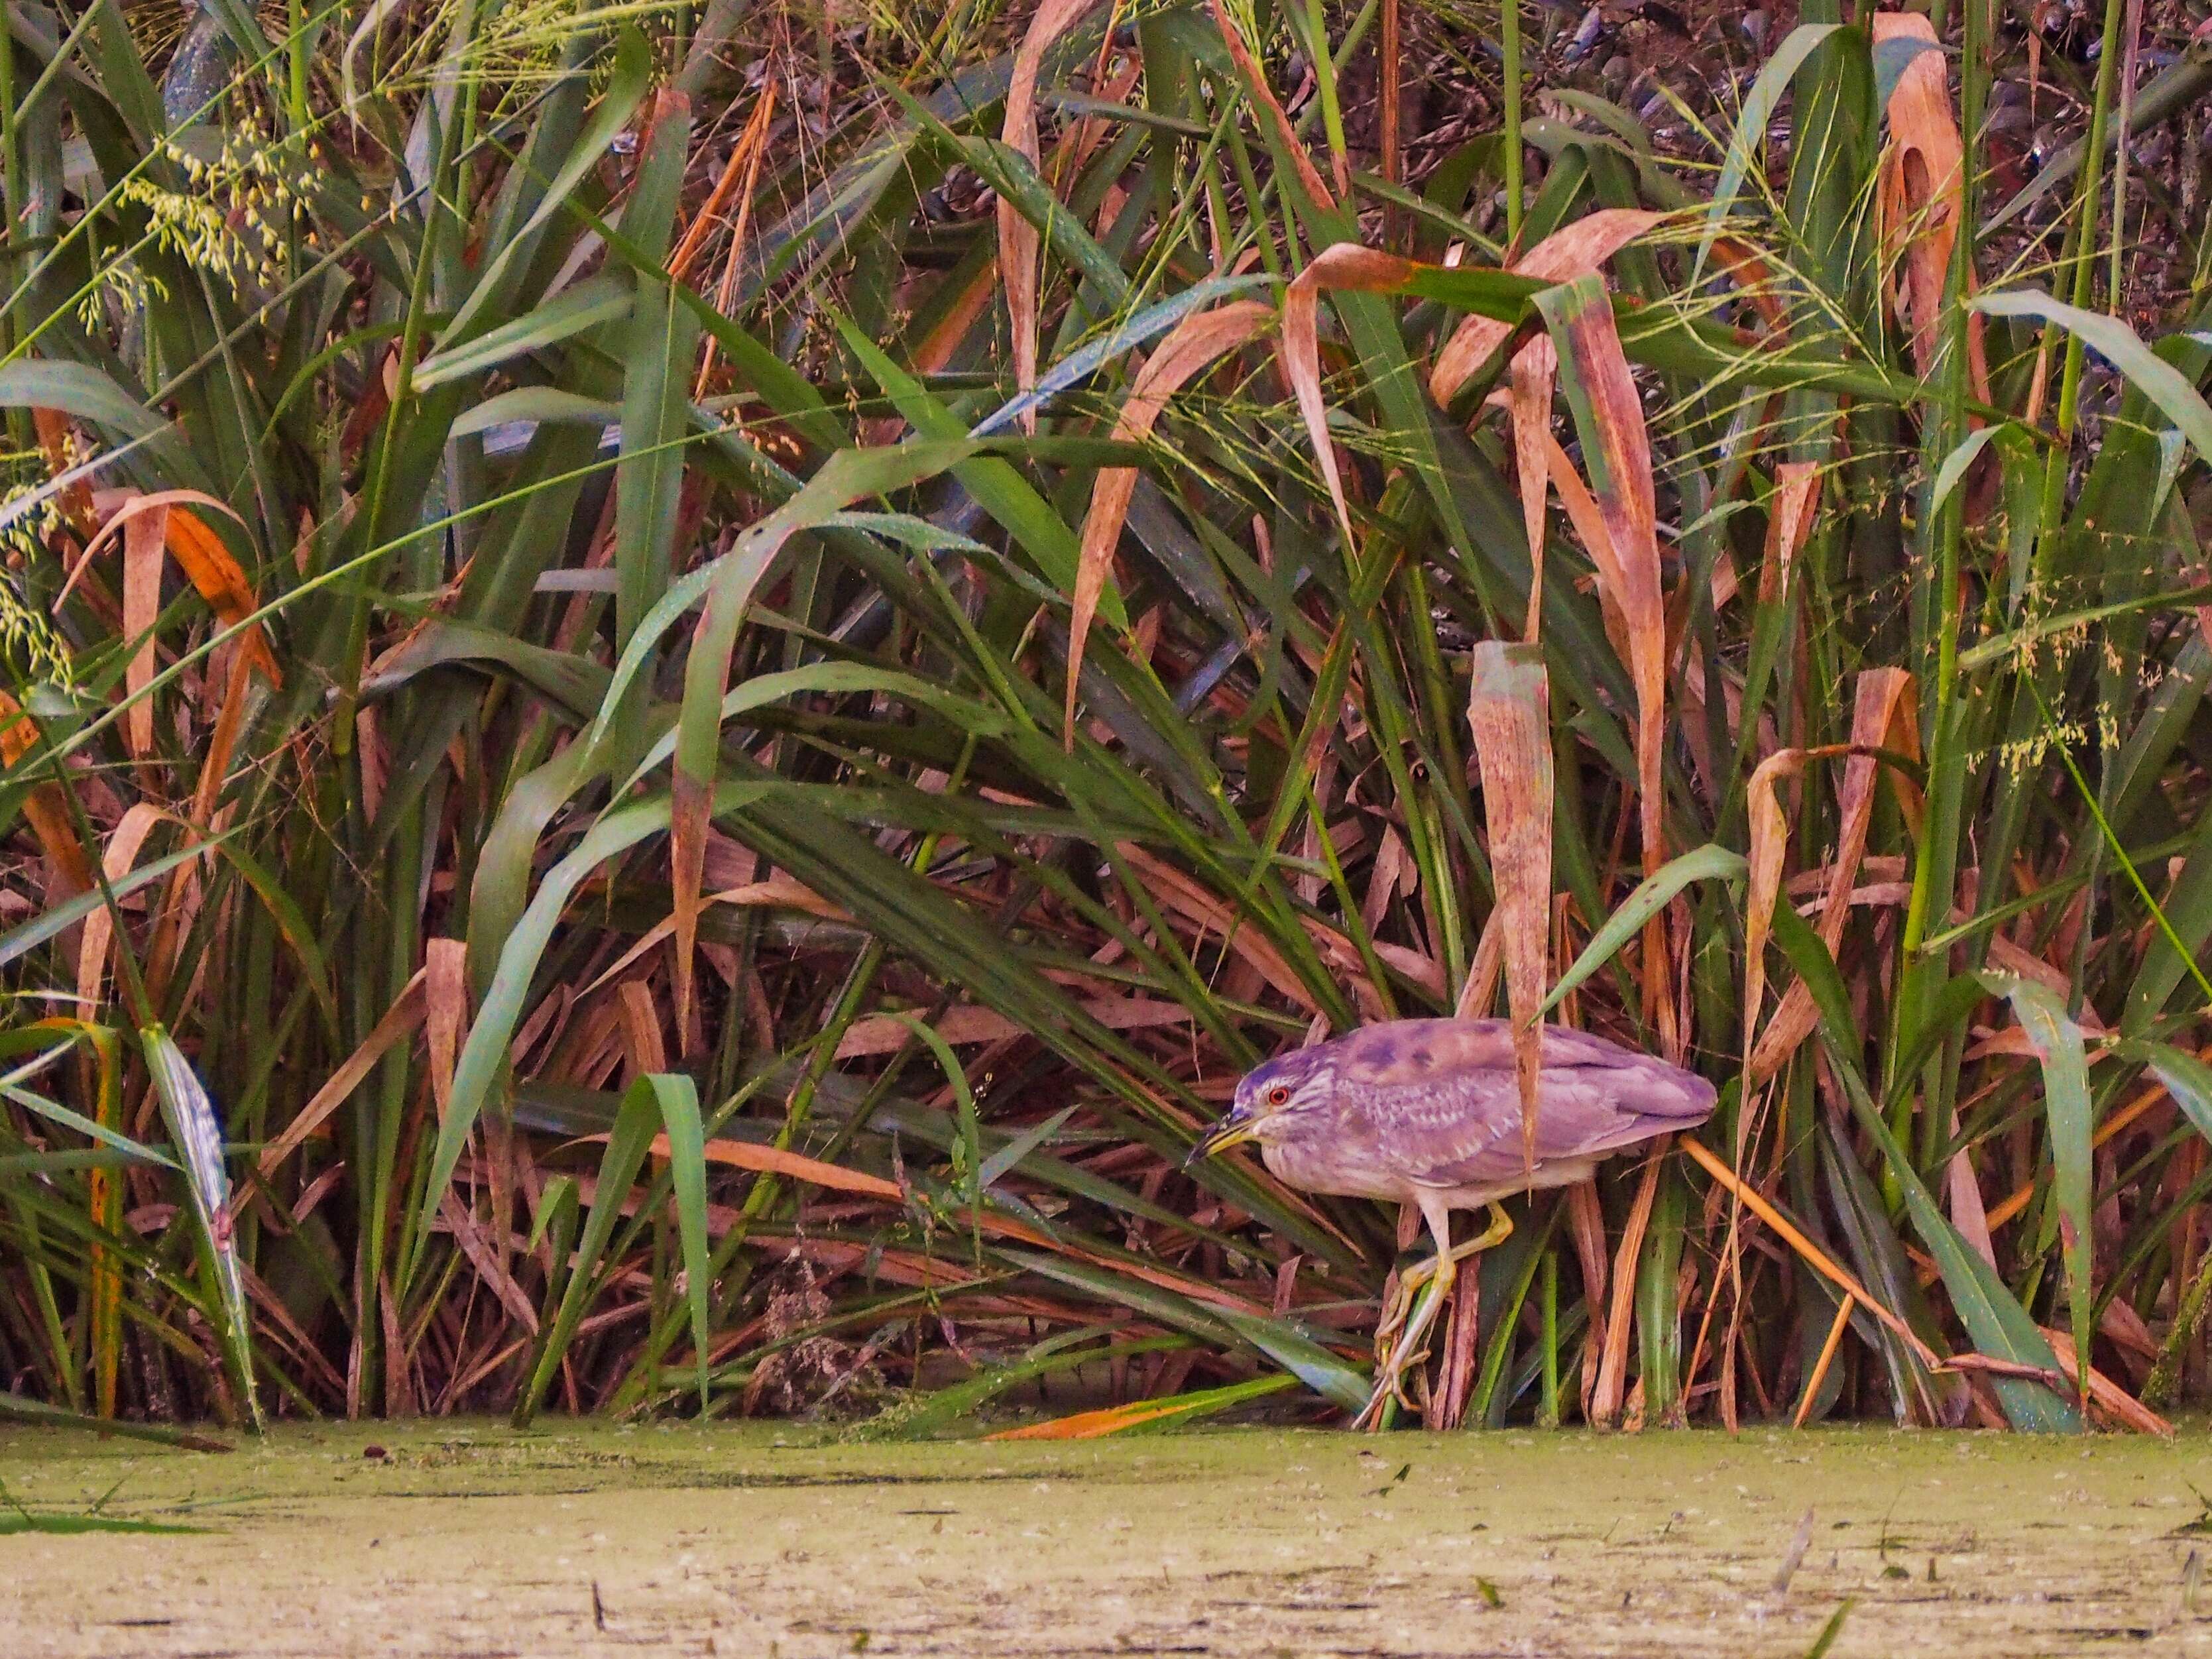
(1682, 1099)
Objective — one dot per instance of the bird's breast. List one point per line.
(1344, 1167)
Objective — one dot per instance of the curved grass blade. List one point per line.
(2057, 1041)
(656, 1100)
(198, 1137)
(484, 1056)
(2121, 346)
(1711, 862)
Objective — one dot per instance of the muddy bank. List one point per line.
(464, 1539)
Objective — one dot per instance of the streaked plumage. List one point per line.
(1434, 1103)
(1427, 1112)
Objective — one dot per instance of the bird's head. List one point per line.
(1271, 1102)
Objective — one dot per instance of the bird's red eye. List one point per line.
(1277, 1095)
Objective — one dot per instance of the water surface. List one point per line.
(466, 1539)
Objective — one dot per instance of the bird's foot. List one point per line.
(1413, 1278)
(1401, 1349)
(1395, 1315)
(1393, 1373)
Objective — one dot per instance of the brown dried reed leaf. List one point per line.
(407, 1012)
(199, 553)
(752, 145)
(2109, 1397)
(202, 557)
(1017, 238)
(1769, 840)
(1586, 1226)
(120, 853)
(779, 891)
(1883, 717)
(744, 157)
(1617, 454)
(1789, 518)
(445, 981)
(1212, 915)
(1346, 266)
(484, 1257)
(1608, 414)
(45, 808)
(1480, 994)
(1509, 713)
(967, 1023)
(1921, 197)
(1090, 1425)
(1193, 903)
(214, 768)
(1572, 252)
(1590, 525)
(1810, 1253)
(1757, 278)
(19, 732)
(641, 1028)
(1193, 344)
(1605, 1400)
(1255, 84)
(55, 439)
(1536, 372)
(143, 536)
(774, 1160)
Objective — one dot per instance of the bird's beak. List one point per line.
(1233, 1130)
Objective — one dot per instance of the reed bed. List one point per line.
(685, 683)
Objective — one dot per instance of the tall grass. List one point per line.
(680, 699)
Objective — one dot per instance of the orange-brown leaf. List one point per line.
(1094, 1425)
(398, 1022)
(1581, 246)
(1348, 265)
(1535, 370)
(202, 557)
(1509, 713)
(76, 499)
(44, 808)
(1255, 84)
(1921, 196)
(1769, 840)
(1789, 521)
(1609, 416)
(1193, 344)
(774, 1160)
(1018, 237)
(2108, 1396)
(117, 857)
(690, 803)
(445, 984)
(1883, 718)
(1613, 1361)
(142, 538)
(744, 156)
(752, 145)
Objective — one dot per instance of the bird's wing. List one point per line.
(1389, 1051)
(1455, 1125)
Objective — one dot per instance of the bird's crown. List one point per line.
(1281, 1082)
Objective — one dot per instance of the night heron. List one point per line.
(1427, 1112)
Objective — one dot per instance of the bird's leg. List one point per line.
(1411, 1279)
(1423, 1289)
(1499, 1230)
(1416, 1311)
